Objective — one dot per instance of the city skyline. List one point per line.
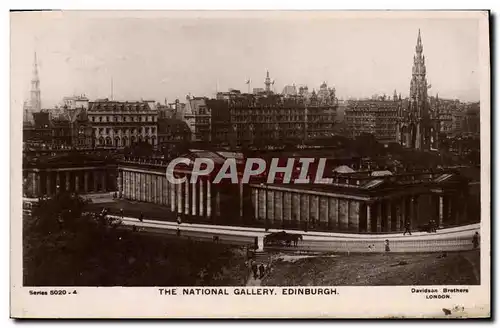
(87, 52)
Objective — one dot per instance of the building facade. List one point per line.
(198, 118)
(376, 117)
(119, 124)
(269, 118)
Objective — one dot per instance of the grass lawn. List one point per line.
(460, 268)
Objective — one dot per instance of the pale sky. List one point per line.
(154, 57)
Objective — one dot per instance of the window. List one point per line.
(108, 130)
(107, 118)
(100, 118)
(93, 119)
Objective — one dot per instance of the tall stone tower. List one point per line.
(416, 126)
(35, 99)
(268, 83)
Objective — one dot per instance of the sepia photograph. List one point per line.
(250, 156)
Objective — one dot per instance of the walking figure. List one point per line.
(179, 221)
(261, 269)
(407, 228)
(255, 269)
(121, 212)
(387, 247)
(475, 240)
(141, 217)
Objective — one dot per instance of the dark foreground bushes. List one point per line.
(64, 246)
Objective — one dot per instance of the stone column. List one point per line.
(38, 190)
(209, 198)
(255, 195)
(440, 217)
(153, 188)
(240, 189)
(333, 208)
(368, 218)
(86, 181)
(202, 197)
(270, 205)
(77, 182)
(194, 210)
(456, 209)
(58, 181)
(48, 183)
(173, 199)
(379, 216)
(120, 183)
(354, 209)
(217, 202)
(326, 214)
(96, 175)
(179, 193)
(104, 177)
(415, 219)
(187, 197)
(388, 226)
(68, 186)
(266, 205)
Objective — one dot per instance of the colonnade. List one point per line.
(339, 212)
(196, 199)
(78, 180)
(294, 207)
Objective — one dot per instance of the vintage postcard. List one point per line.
(250, 164)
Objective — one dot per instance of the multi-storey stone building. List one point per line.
(271, 118)
(198, 118)
(377, 117)
(119, 124)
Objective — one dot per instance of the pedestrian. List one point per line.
(475, 240)
(387, 247)
(261, 269)
(121, 212)
(407, 228)
(141, 217)
(255, 270)
(179, 221)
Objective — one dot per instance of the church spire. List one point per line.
(419, 48)
(35, 100)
